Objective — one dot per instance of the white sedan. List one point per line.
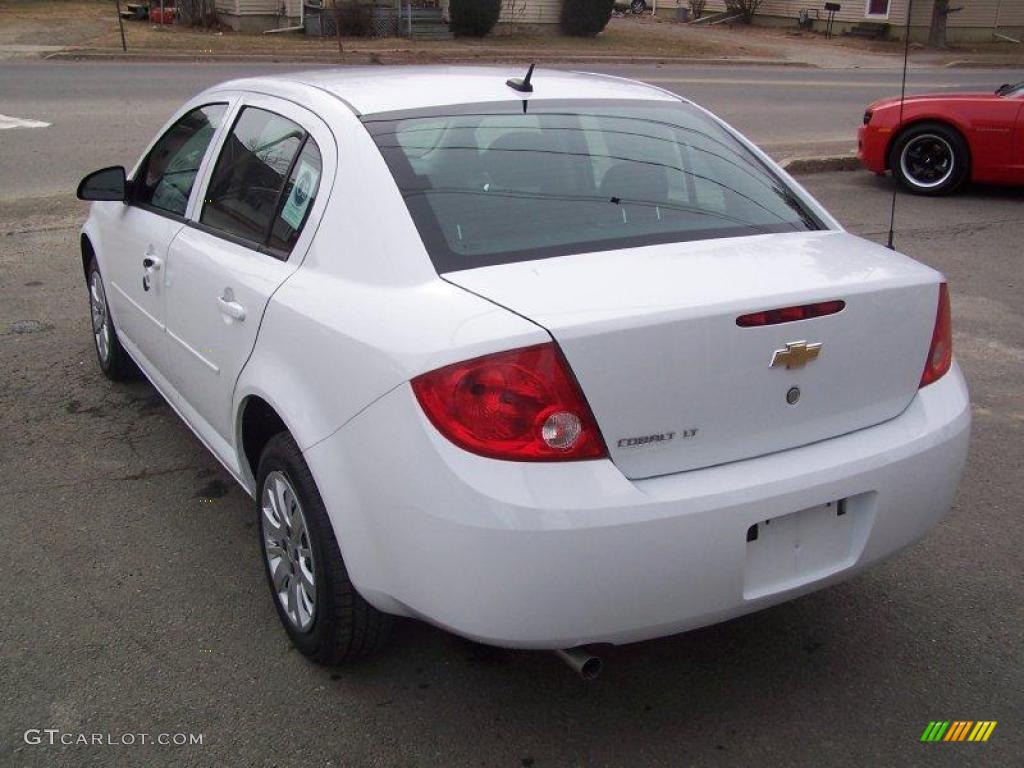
(546, 364)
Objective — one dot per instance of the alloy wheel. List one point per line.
(287, 548)
(100, 317)
(927, 161)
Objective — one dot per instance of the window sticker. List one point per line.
(302, 193)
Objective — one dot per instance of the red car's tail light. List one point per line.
(790, 314)
(940, 353)
(521, 405)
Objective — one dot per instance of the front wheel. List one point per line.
(324, 616)
(113, 360)
(930, 159)
(638, 6)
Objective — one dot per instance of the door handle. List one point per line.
(231, 308)
(150, 264)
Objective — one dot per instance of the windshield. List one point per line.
(515, 181)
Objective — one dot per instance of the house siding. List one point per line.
(259, 7)
(525, 11)
(977, 15)
(531, 11)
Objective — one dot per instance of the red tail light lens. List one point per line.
(940, 354)
(790, 314)
(521, 405)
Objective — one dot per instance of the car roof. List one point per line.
(369, 90)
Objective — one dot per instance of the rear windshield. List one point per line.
(515, 181)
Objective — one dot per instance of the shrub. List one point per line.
(354, 19)
(473, 18)
(747, 8)
(585, 18)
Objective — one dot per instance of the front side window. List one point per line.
(513, 181)
(264, 182)
(166, 176)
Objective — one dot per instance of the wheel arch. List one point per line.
(88, 253)
(945, 122)
(257, 420)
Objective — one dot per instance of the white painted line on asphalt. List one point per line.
(20, 122)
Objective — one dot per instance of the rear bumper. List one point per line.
(871, 145)
(548, 555)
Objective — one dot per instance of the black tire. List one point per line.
(344, 626)
(937, 140)
(638, 6)
(116, 365)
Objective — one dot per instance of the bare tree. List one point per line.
(940, 17)
(337, 25)
(746, 8)
(516, 10)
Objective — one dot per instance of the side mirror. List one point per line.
(104, 184)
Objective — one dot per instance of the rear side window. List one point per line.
(513, 181)
(168, 173)
(264, 182)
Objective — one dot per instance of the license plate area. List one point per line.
(802, 547)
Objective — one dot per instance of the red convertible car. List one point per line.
(945, 139)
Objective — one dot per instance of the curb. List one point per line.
(824, 164)
(967, 64)
(412, 57)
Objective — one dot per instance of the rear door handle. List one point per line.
(151, 262)
(231, 308)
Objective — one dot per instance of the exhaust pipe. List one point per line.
(586, 665)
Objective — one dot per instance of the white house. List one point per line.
(978, 21)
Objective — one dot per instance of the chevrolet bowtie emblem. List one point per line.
(797, 354)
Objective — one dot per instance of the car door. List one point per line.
(995, 155)
(1018, 139)
(136, 236)
(260, 207)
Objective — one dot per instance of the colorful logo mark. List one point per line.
(958, 730)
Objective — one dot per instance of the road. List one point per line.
(134, 598)
(105, 113)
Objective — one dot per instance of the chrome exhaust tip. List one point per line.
(585, 664)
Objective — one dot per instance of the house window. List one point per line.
(878, 8)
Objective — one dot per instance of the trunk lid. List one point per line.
(675, 384)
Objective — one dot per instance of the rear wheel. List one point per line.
(324, 616)
(930, 159)
(113, 360)
(638, 6)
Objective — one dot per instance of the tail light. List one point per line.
(520, 405)
(940, 354)
(790, 314)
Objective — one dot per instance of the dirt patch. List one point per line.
(34, 22)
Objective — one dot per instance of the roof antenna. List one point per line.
(522, 85)
(903, 98)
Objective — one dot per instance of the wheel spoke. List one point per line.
(280, 494)
(306, 577)
(281, 573)
(292, 608)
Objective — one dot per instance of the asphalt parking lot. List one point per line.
(134, 599)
